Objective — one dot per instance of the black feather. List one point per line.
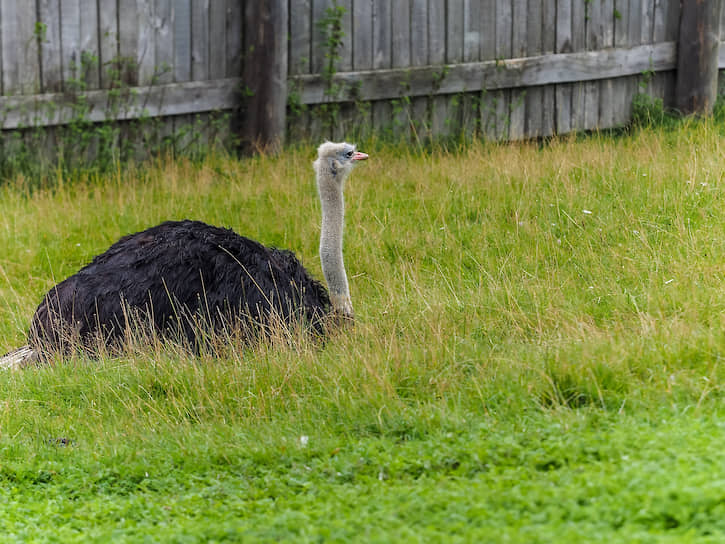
(175, 276)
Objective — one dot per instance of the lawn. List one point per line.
(537, 355)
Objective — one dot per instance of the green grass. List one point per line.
(537, 355)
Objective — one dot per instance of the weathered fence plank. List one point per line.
(70, 39)
(319, 9)
(363, 58)
(400, 59)
(108, 46)
(563, 45)
(452, 118)
(381, 34)
(634, 20)
(19, 48)
(548, 120)
(382, 56)
(659, 26)
(50, 50)
(128, 41)
(621, 86)
(593, 40)
(217, 40)
(401, 37)
(648, 83)
(634, 37)
(454, 31)
(437, 57)
(697, 67)
(419, 55)
(265, 73)
(503, 51)
(363, 35)
(164, 25)
(29, 77)
(517, 113)
(578, 43)
(200, 40)
(345, 112)
(673, 21)
(89, 46)
(606, 87)
(300, 37)
(181, 69)
(345, 62)
(534, 47)
(472, 30)
(146, 42)
(470, 124)
(648, 20)
(658, 85)
(234, 38)
(488, 52)
(182, 40)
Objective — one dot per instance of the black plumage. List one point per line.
(180, 277)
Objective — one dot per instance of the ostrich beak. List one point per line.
(358, 156)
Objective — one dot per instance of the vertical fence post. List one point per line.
(265, 75)
(697, 56)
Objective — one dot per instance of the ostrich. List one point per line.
(180, 273)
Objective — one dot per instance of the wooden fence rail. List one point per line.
(488, 75)
(506, 68)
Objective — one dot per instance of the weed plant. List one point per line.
(537, 355)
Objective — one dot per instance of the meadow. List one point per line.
(537, 355)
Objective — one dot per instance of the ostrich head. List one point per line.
(334, 163)
(337, 161)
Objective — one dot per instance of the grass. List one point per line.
(537, 356)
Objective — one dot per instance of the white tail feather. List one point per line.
(18, 358)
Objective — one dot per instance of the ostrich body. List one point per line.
(179, 275)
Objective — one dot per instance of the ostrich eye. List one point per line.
(348, 154)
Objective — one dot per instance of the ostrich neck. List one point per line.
(333, 267)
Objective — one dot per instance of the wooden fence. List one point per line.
(174, 61)
(515, 68)
(504, 69)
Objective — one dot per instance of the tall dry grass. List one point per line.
(500, 277)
